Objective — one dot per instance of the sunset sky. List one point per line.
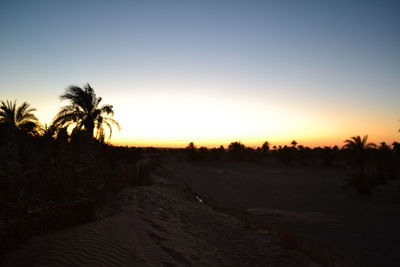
(212, 72)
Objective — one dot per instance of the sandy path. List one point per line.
(160, 225)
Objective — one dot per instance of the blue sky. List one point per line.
(314, 71)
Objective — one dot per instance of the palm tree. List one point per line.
(359, 145)
(21, 117)
(85, 114)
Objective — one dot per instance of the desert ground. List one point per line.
(311, 208)
(228, 213)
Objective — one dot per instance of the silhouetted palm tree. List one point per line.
(355, 143)
(21, 117)
(396, 148)
(84, 112)
(359, 145)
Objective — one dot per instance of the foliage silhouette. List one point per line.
(358, 146)
(236, 150)
(21, 118)
(217, 153)
(396, 149)
(265, 147)
(191, 152)
(385, 164)
(294, 143)
(85, 114)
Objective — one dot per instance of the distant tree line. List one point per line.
(370, 165)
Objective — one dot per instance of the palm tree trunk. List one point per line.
(362, 167)
(89, 127)
(363, 184)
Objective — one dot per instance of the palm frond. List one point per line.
(84, 111)
(109, 127)
(21, 117)
(67, 114)
(107, 109)
(8, 111)
(113, 122)
(358, 143)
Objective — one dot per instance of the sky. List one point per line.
(212, 72)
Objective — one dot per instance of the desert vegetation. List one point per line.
(58, 175)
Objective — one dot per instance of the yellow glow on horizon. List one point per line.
(211, 119)
(174, 120)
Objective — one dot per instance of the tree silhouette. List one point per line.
(294, 143)
(21, 117)
(236, 150)
(265, 147)
(85, 114)
(191, 152)
(396, 148)
(358, 146)
(383, 146)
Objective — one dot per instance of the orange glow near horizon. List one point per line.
(175, 119)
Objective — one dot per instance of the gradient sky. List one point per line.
(212, 72)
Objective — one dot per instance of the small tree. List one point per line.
(191, 151)
(236, 150)
(294, 143)
(265, 147)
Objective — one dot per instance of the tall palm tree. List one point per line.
(359, 145)
(21, 117)
(85, 114)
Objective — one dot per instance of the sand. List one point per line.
(160, 225)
